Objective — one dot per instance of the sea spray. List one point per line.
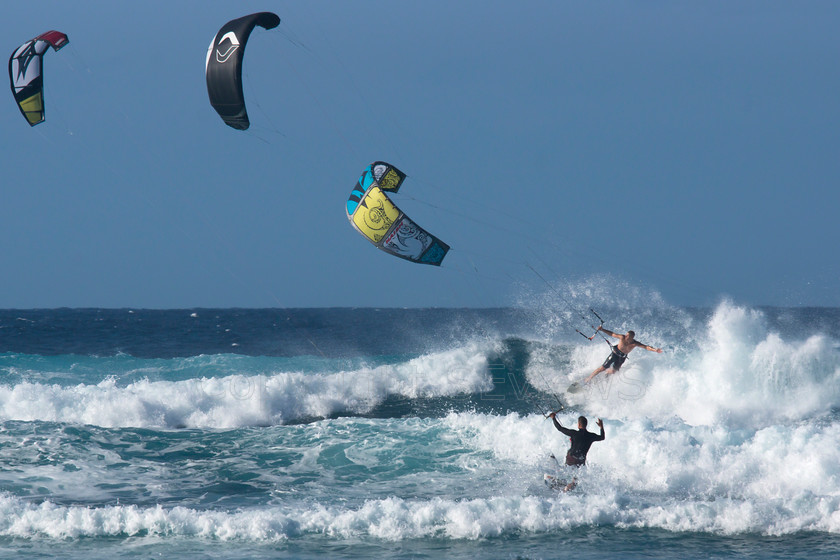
(153, 440)
(735, 369)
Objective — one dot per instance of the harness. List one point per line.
(618, 352)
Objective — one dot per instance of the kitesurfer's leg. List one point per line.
(594, 373)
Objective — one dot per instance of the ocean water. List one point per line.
(398, 433)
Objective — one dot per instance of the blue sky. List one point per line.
(685, 149)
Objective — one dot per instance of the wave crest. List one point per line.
(247, 400)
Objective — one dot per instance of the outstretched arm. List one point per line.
(609, 332)
(601, 425)
(651, 348)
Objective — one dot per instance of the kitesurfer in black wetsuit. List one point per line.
(626, 343)
(581, 441)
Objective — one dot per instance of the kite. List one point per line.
(26, 74)
(223, 67)
(377, 218)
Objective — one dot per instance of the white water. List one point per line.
(671, 475)
(775, 480)
(732, 430)
(245, 400)
(733, 371)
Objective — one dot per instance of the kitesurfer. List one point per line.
(626, 343)
(581, 441)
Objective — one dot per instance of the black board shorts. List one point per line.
(615, 360)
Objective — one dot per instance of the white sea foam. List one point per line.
(733, 431)
(398, 519)
(246, 400)
(669, 475)
(675, 476)
(733, 370)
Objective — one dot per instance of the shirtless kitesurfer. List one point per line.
(626, 343)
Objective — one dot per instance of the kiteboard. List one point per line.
(556, 483)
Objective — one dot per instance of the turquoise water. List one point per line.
(243, 440)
